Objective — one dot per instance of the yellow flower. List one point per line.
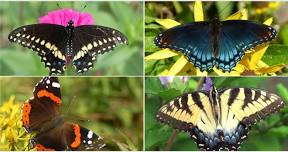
(250, 62)
(12, 135)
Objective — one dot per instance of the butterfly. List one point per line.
(217, 43)
(41, 114)
(219, 120)
(58, 45)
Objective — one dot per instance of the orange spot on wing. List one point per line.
(77, 140)
(44, 93)
(26, 109)
(40, 147)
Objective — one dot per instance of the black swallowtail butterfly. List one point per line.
(57, 45)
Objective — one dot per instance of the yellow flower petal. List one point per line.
(178, 66)
(164, 73)
(167, 23)
(268, 21)
(271, 69)
(199, 73)
(162, 54)
(257, 55)
(220, 73)
(198, 11)
(240, 15)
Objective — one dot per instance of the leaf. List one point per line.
(153, 85)
(274, 54)
(162, 54)
(283, 91)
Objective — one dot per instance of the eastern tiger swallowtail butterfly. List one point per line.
(221, 44)
(57, 45)
(218, 120)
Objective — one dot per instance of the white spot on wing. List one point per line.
(90, 134)
(55, 84)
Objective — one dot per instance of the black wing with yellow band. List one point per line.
(222, 122)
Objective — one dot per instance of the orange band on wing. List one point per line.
(40, 147)
(26, 109)
(44, 93)
(77, 133)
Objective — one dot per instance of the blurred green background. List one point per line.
(183, 13)
(268, 134)
(111, 107)
(127, 17)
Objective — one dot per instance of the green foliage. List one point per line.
(274, 129)
(183, 13)
(112, 107)
(124, 60)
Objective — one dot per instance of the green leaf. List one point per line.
(274, 54)
(283, 91)
(153, 85)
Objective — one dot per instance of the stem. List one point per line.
(175, 132)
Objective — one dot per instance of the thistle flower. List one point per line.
(63, 16)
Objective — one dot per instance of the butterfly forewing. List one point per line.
(43, 106)
(92, 40)
(186, 111)
(193, 40)
(48, 40)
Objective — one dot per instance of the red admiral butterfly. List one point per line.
(41, 113)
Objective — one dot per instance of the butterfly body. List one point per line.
(58, 45)
(219, 120)
(41, 114)
(216, 43)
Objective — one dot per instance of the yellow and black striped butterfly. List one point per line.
(221, 119)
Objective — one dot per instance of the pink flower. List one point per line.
(208, 84)
(62, 17)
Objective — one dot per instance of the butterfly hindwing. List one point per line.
(238, 36)
(80, 138)
(49, 46)
(92, 40)
(193, 40)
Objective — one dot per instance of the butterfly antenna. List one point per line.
(58, 5)
(73, 101)
(225, 8)
(83, 8)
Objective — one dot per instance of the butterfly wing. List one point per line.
(44, 106)
(242, 107)
(193, 40)
(191, 113)
(248, 105)
(50, 140)
(48, 40)
(80, 138)
(238, 36)
(92, 40)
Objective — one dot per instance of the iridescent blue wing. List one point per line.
(238, 36)
(193, 40)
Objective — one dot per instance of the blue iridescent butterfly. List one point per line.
(217, 43)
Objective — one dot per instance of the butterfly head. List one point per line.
(70, 23)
